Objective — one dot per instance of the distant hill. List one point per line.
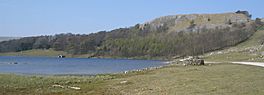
(7, 38)
(168, 36)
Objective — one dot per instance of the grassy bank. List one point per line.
(218, 79)
(37, 52)
(36, 85)
(53, 53)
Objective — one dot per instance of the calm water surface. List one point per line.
(53, 66)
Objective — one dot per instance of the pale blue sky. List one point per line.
(48, 17)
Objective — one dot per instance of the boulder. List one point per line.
(192, 61)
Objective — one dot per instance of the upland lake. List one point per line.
(79, 66)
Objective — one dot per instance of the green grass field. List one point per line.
(42, 52)
(216, 79)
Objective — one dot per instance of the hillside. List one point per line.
(250, 50)
(166, 37)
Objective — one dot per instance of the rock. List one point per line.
(192, 61)
(219, 52)
(123, 82)
(75, 88)
(56, 85)
(71, 87)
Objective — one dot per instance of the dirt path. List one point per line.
(212, 62)
(261, 64)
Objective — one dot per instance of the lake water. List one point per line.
(54, 66)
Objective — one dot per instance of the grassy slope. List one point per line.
(49, 52)
(224, 79)
(220, 79)
(246, 51)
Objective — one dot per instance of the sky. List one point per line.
(21, 18)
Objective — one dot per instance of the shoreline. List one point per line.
(79, 56)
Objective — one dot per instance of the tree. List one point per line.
(41, 43)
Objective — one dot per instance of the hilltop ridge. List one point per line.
(181, 22)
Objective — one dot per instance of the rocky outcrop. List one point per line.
(178, 23)
(246, 13)
(190, 60)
